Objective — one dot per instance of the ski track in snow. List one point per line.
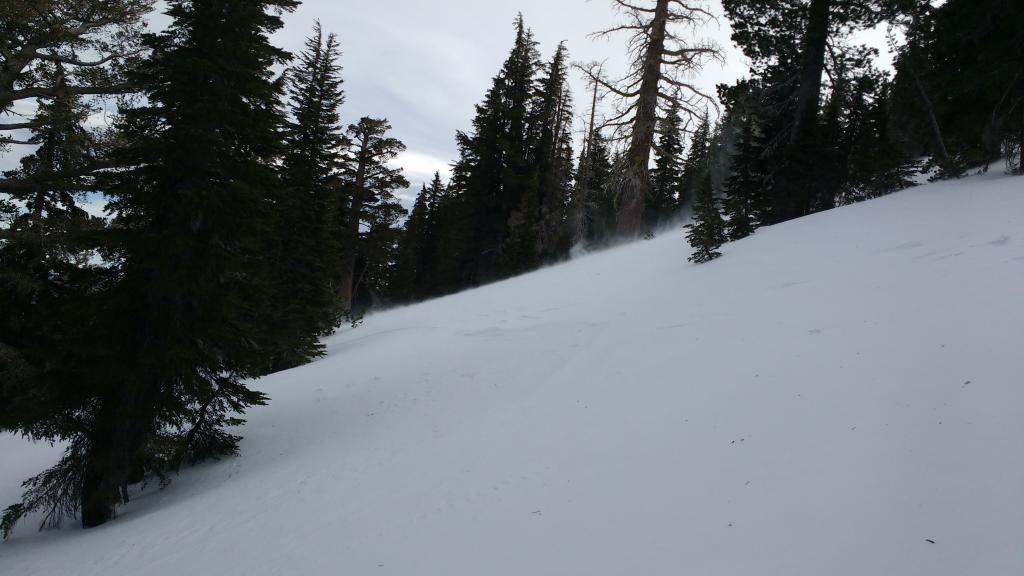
(840, 394)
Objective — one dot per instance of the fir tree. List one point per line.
(959, 81)
(744, 204)
(707, 232)
(696, 163)
(495, 173)
(602, 208)
(179, 329)
(592, 195)
(416, 272)
(667, 175)
(411, 268)
(48, 289)
(553, 158)
(306, 303)
(369, 200)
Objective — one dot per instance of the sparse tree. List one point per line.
(661, 60)
(369, 185)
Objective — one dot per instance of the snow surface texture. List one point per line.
(840, 395)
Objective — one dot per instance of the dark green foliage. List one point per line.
(876, 164)
(595, 195)
(168, 327)
(368, 226)
(193, 212)
(47, 289)
(506, 210)
(960, 81)
(744, 203)
(418, 249)
(707, 232)
(551, 163)
(306, 305)
(696, 163)
(495, 172)
(793, 47)
(55, 493)
(667, 180)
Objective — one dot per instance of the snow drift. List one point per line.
(841, 395)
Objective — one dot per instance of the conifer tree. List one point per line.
(959, 75)
(418, 253)
(411, 267)
(306, 305)
(696, 163)
(667, 175)
(877, 165)
(579, 218)
(592, 196)
(369, 200)
(553, 158)
(175, 334)
(744, 204)
(495, 171)
(659, 56)
(375, 279)
(45, 274)
(707, 232)
(39, 35)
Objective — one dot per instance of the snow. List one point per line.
(840, 394)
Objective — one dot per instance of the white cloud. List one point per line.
(418, 165)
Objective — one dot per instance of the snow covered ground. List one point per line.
(840, 395)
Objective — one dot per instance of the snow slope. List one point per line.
(830, 397)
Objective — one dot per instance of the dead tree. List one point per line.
(594, 72)
(663, 62)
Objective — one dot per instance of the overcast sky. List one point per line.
(425, 64)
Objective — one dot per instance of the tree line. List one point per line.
(246, 220)
(818, 123)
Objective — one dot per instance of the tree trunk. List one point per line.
(933, 122)
(809, 92)
(634, 181)
(116, 445)
(578, 216)
(793, 188)
(350, 252)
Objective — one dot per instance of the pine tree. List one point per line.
(667, 175)
(696, 163)
(552, 158)
(788, 44)
(495, 172)
(375, 282)
(306, 303)
(744, 204)
(411, 267)
(39, 33)
(959, 78)
(48, 286)
(592, 195)
(179, 329)
(369, 200)
(707, 232)
(417, 274)
(603, 208)
(877, 165)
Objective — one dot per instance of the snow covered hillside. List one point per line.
(840, 395)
